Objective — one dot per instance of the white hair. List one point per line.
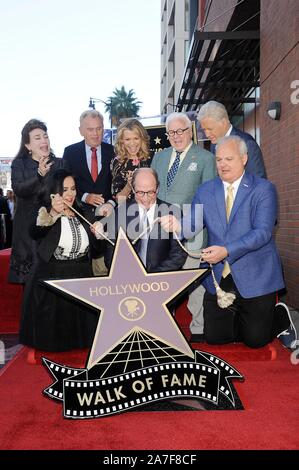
(242, 147)
(93, 113)
(212, 109)
(180, 116)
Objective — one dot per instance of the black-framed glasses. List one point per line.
(178, 132)
(148, 193)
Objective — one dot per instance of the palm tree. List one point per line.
(121, 105)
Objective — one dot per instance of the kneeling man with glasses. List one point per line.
(158, 250)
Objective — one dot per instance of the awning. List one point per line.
(222, 66)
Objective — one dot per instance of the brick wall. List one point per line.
(280, 139)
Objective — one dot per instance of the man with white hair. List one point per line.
(239, 212)
(181, 169)
(89, 161)
(215, 123)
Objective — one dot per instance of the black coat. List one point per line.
(51, 321)
(26, 184)
(47, 238)
(5, 223)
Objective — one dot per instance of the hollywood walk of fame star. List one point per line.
(130, 299)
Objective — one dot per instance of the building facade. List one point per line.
(279, 138)
(245, 54)
(178, 19)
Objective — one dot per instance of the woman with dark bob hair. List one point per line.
(31, 167)
(50, 321)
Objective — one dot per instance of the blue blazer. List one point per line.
(255, 164)
(253, 257)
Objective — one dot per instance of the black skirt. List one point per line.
(50, 320)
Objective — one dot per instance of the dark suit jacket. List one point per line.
(75, 159)
(163, 253)
(255, 164)
(26, 184)
(4, 209)
(5, 224)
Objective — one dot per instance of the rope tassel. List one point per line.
(224, 299)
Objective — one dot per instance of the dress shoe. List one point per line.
(197, 338)
(288, 337)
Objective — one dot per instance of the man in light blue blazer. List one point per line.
(215, 123)
(239, 212)
(181, 169)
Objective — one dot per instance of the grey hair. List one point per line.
(242, 147)
(142, 170)
(176, 115)
(214, 110)
(93, 113)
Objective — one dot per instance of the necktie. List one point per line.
(229, 204)
(94, 163)
(144, 240)
(174, 169)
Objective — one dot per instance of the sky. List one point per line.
(56, 54)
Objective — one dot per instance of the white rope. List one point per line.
(83, 218)
(224, 299)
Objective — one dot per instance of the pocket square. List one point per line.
(192, 166)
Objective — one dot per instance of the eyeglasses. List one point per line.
(178, 132)
(143, 193)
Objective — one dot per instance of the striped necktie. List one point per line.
(174, 169)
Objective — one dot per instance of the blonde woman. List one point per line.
(132, 152)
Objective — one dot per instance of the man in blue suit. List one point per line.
(215, 123)
(239, 212)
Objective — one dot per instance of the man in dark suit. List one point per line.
(5, 222)
(215, 123)
(89, 161)
(239, 212)
(158, 250)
